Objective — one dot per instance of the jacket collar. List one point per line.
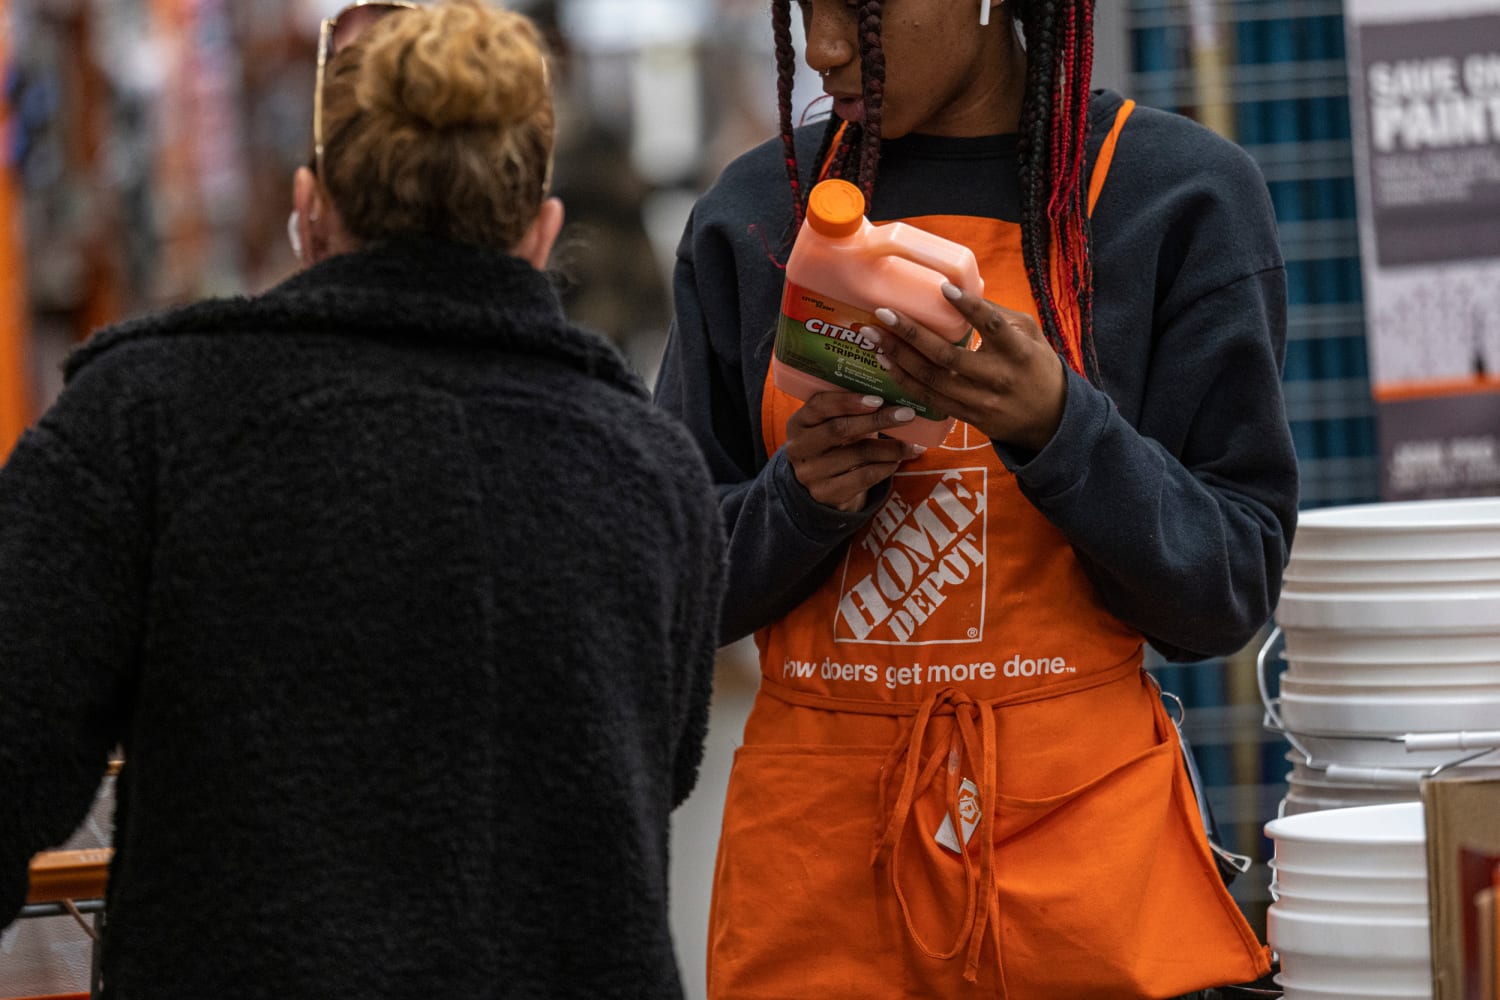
(419, 290)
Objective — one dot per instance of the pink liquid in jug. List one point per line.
(844, 267)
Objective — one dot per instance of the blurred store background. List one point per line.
(152, 142)
(148, 155)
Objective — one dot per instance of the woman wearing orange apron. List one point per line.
(956, 780)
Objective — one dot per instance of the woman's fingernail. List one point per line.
(872, 401)
(886, 316)
(904, 415)
(952, 292)
(872, 335)
(919, 449)
(883, 361)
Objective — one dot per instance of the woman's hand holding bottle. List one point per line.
(836, 451)
(1012, 387)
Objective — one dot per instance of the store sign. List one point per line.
(1425, 86)
(1433, 95)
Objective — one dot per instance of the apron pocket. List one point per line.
(794, 910)
(1135, 906)
(1106, 890)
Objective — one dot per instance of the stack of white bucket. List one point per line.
(1391, 618)
(1350, 917)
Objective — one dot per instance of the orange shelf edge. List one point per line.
(60, 875)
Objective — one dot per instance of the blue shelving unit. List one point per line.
(1283, 65)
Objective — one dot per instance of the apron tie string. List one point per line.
(973, 738)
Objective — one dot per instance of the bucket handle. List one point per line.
(1272, 719)
(1483, 742)
(1390, 775)
(1483, 739)
(1376, 775)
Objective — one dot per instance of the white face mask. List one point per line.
(293, 234)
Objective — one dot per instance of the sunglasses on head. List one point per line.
(335, 35)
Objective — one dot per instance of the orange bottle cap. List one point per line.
(835, 208)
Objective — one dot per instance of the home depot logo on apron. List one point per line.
(956, 779)
(924, 544)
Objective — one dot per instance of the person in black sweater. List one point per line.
(397, 592)
(957, 779)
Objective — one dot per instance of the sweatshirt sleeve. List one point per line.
(1176, 482)
(72, 570)
(781, 542)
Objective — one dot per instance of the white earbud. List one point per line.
(293, 224)
(984, 13)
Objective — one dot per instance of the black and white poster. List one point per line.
(1425, 92)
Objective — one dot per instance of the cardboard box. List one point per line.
(1463, 857)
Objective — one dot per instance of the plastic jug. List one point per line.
(844, 267)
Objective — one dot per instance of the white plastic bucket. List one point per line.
(1309, 573)
(1390, 614)
(1300, 800)
(1350, 916)
(1292, 903)
(1386, 710)
(1316, 781)
(1335, 887)
(1296, 991)
(1415, 645)
(1474, 609)
(1375, 752)
(1379, 840)
(1422, 529)
(1335, 675)
(1344, 952)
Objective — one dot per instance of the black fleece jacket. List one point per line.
(401, 599)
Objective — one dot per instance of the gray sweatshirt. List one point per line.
(1174, 480)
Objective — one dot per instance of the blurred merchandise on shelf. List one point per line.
(50, 955)
(15, 387)
(606, 266)
(1271, 76)
(153, 142)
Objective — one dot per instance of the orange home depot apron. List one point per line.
(956, 779)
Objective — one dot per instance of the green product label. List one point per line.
(824, 338)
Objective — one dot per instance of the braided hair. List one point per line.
(864, 138)
(1053, 132)
(1054, 190)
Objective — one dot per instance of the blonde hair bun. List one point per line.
(456, 65)
(438, 121)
